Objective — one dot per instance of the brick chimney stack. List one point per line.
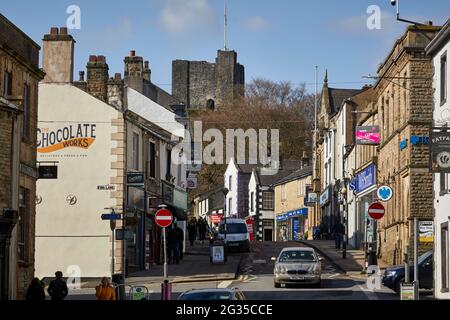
(97, 77)
(116, 91)
(134, 71)
(58, 56)
(147, 75)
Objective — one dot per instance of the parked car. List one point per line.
(235, 234)
(212, 295)
(394, 276)
(297, 266)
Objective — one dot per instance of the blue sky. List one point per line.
(277, 40)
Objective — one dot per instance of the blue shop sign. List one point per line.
(365, 179)
(293, 214)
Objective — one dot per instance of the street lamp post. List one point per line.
(225, 193)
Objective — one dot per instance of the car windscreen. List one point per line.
(233, 228)
(425, 256)
(297, 256)
(207, 296)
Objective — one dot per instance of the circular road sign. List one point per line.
(376, 211)
(164, 218)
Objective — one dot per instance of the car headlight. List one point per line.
(315, 270)
(281, 270)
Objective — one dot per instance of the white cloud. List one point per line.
(186, 16)
(257, 23)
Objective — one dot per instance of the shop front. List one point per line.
(293, 225)
(325, 209)
(366, 194)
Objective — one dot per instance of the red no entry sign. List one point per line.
(376, 211)
(164, 218)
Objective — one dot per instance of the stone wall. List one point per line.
(6, 124)
(405, 109)
(199, 83)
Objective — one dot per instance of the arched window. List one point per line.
(210, 104)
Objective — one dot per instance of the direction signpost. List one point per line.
(164, 219)
(112, 218)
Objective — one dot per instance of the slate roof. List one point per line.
(307, 171)
(338, 96)
(288, 166)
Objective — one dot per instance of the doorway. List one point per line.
(268, 235)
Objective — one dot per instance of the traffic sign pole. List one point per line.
(165, 254)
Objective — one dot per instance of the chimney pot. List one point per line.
(81, 76)
(118, 77)
(146, 64)
(132, 53)
(63, 31)
(92, 58)
(54, 31)
(101, 59)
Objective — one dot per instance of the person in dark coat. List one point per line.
(338, 232)
(180, 240)
(173, 244)
(35, 291)
(192, 231)
(201, 229)
(57, 289)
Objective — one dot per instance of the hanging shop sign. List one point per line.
(365, 179)
(440, 150)
(426, 231)
(311, 197)
(385, 193)
(136, 179)
(325, 197)
(368, 135)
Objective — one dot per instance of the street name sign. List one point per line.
(111, 216)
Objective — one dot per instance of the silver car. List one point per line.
(297, 266)
(212, 295)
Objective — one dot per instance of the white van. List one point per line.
(235, 234)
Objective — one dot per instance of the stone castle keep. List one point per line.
(205, 85)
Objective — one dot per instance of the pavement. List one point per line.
(354, 263)
(195, 267)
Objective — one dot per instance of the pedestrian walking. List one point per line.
(35, 291)
(105, 291)
(57, 289)
(192, 231)
(201, 229)
(180, 241)
(173, 246)
(338, 231)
